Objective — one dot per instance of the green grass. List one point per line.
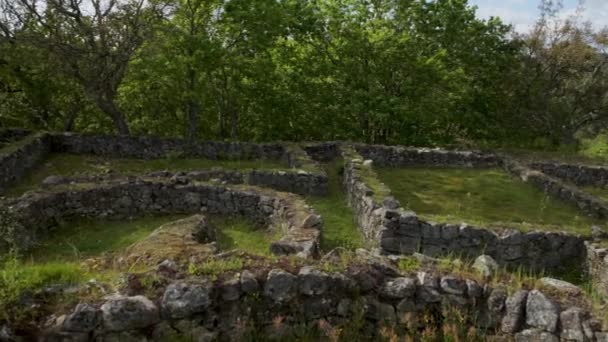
(487, 197)
(73, 241)
(597, 191)
(18, 278)
(69, 165)
(235, 232)
(214, 267)
(339, 229)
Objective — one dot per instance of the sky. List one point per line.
(522, 13)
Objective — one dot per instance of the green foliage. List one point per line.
(490, 198)
(596, 147)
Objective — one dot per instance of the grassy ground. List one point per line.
(486, 197)
(80, 239)
(68, 164)
(240, 233)
(597, 191)
(340, 229)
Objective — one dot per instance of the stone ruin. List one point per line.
(274, 297)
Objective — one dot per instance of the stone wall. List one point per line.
(397, 231)
(323, 151)
(154, 147)
(394, 156)
(585, 202)
(121, 198)
(271, 304)
(9, 135)
(581, 175)
(19, 157)
(597, 264)
(305, 176)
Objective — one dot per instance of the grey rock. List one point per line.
(515, 312)
(231, 290)
(601, 336)
(378, 311)
(560, 285)
(405, 306)
(167, 266)
(345, 307)
(249, 284)
(280, 286)
(485, 265)
(591, 326)
(84, 318)
(54, 180)
(391, 203)
(453, 285)
(473, 289)
(541, 312)
(571, 322)
(183, 299)
(427, 291)
(129, 313)
(312, 221)
(313, 282)
(492, 312)
(535, 335)
(398, 288)
(598, 233)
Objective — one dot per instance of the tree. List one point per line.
(563, 75)
(92, 40)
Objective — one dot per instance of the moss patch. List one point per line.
(70, 165)
(488, 197)
(235, 232)
(339, 229)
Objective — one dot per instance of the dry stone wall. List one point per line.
(305, 176)
(358, 301)
(398, 231)
(585, 202)
(597, 263)
(122, 198)
(19, 157)
(154, 147)
(581, 175)
(395, 156)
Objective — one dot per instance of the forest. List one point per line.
(415, 72)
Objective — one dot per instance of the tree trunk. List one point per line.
(193, 108)
(118, 118)
(193, 119)
(70, 120)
